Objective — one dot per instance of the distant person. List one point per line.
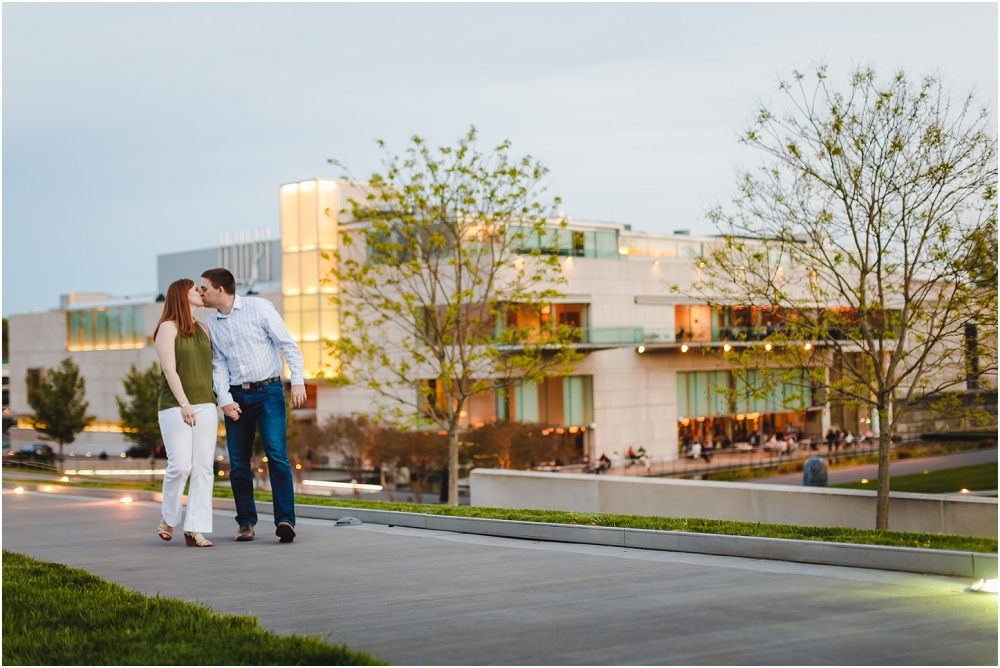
(247, 336)
(443, 494)
(309, 459)
(187, 415)
(605, 463)
(831, 438)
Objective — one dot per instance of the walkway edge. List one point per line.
(905, 559)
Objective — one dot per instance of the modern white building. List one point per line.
(642, 382)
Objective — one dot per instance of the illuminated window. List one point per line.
(104, 329)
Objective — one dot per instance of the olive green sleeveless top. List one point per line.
(193, 357)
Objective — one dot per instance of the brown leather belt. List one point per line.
(258, 384)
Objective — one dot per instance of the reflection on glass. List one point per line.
(88, 329)
(293, 321)
(310, 326)
(114, 328)
(73, 330)
(290, 284)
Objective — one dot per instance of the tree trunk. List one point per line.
(882, 500)
(453, 464)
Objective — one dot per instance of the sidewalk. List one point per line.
(417, 597)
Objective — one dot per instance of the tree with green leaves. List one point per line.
(59, 404)
(868, 240)
(139, 415)
(440, 299)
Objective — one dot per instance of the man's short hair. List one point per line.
(221, 278)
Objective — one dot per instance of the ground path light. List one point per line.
(985, 586)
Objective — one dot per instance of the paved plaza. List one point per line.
(423, 597)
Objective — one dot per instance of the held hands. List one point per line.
(232, 411)
(187, 414)
(298, 396)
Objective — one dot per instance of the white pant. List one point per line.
(190, 450)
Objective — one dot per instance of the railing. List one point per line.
(596, 336)
(610, 335)
(723, 460)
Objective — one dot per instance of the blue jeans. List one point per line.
(264, 409)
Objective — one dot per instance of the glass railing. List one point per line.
(610, 335)
(599, 336)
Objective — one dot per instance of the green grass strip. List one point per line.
(933, 541)
(943, 481)
(55, 615)
(694, 525)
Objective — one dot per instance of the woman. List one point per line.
(188, 418)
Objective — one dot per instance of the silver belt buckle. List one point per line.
(245, 386)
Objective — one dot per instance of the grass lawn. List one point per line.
(943, 481)
(54, 615)
(695, 525)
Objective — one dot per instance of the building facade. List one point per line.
(650, 375)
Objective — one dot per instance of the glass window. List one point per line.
(329, 321)
(719, 398)
(310, 356)
(565, 242)
(73, 329)
(579, 244)
(87, 318)
(607, 245)
(293, 321)
(140, 326)
(528, 240)
(549, 242)
(101, 328)
(575, 400)
(114, 328)
(290, 282)
(307, 215)
(689, 250)
(310, 325)
(128, 326)
(291, 304)
(525, 402)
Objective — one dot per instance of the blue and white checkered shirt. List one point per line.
(245, 346)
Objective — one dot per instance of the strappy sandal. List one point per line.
(165, 530)
(196, 539)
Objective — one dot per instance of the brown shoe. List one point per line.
(285, 532)
(245, 532)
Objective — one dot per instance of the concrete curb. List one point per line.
(905, 559)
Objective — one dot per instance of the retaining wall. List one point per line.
(745, 502)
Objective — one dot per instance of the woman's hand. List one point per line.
(187, 414)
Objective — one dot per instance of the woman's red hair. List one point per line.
(177, 308)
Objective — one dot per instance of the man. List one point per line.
(247, 333)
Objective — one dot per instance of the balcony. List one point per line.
(596, 338)
(608, 336)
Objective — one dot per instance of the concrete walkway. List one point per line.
(846, 474)
(423, 597)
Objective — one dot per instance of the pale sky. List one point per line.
(131, 130)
